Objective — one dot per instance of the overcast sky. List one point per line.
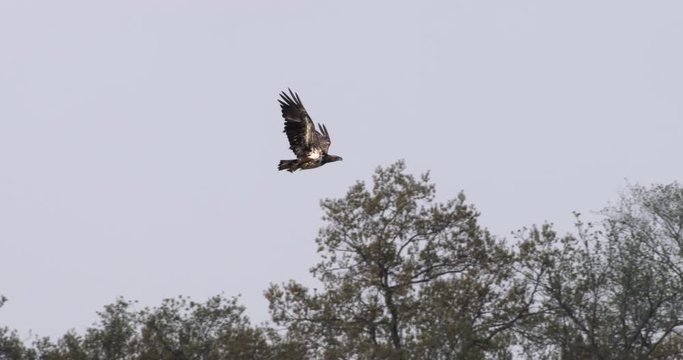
(139, 139)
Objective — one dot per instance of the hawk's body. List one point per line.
(308, 144)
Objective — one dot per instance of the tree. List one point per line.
(184, 329)
(404, 276)
(11, 346)
(115, 337)
(178, 329)
(68, 347)
(615, 292)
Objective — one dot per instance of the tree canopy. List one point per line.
(404, 275)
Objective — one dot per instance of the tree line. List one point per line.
(405, 276)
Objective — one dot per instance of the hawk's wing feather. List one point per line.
(299, 127)
(324, 138)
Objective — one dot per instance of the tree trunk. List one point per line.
(393, 324)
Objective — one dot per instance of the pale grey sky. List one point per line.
(139, 139)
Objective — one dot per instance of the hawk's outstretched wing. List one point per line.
(324, 138)
(299, 127)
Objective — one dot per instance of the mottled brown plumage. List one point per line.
(308, 144)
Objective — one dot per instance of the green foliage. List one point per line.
(69, 347)
(178, 329)
(184, 329)
(114, 338)
(404, 276)
(12, 348)
(615, 292)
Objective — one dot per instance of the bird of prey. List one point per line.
(308, 144)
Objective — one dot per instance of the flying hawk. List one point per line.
(308, 144)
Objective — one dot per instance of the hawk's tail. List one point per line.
(289, 165)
